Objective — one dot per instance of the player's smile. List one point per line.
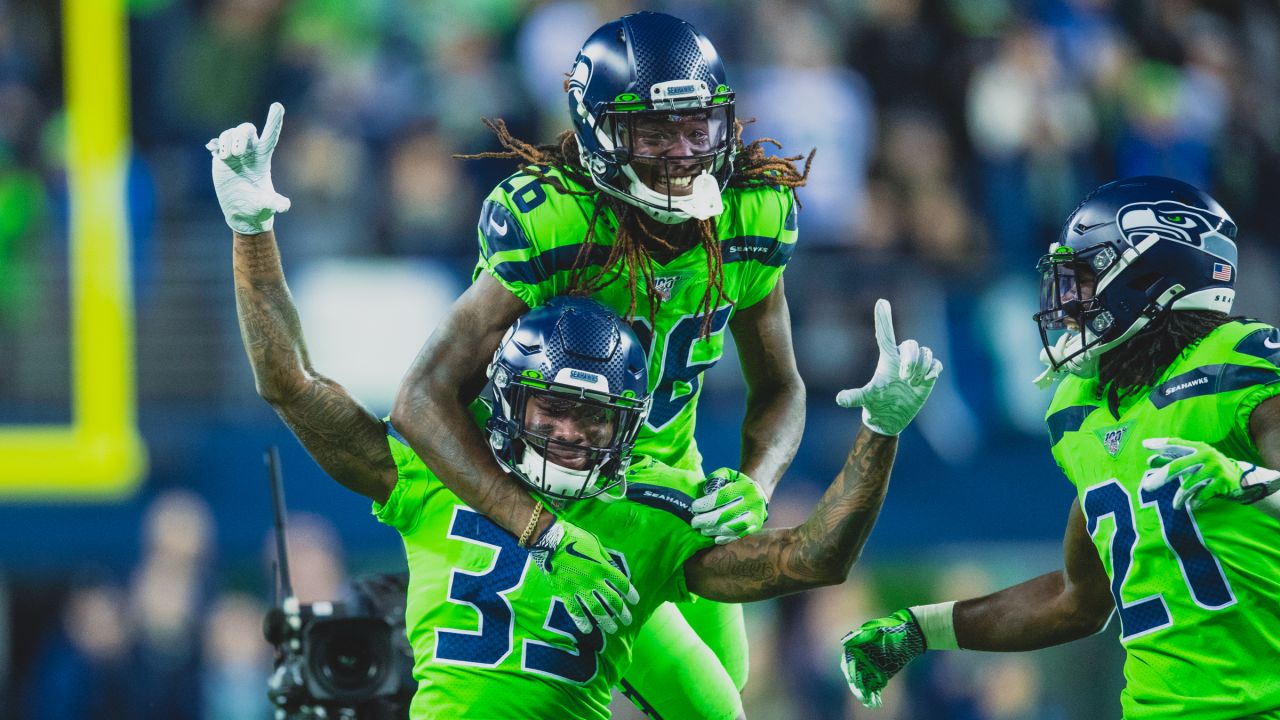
(665, 147)
(677, 181)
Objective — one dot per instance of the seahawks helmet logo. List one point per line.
(579, 79)
(1171, 220)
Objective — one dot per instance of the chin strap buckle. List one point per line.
(705, 202)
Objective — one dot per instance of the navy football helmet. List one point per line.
(570, 391)
(1148, 245)
(654, 117)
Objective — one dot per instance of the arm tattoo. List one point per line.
(819, 552)
(346, 439)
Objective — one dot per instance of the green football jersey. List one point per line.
(489, 639)
(530, 235)
(1197, 592)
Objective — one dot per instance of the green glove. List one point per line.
(876, 652)
(584, 576)
(731, 506)
(1204, 473)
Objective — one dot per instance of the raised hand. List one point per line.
(904, 377)
(583, 575)
(242, 174)
(732, 506)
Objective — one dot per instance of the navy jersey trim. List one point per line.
(764, 250)
(1262, 343)
(662, 498)
(500, 230)
(1068, 419)
(539, 268)
(1210, 380)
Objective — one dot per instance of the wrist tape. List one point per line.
(936, 624)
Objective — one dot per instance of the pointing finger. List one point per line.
(884, 329)
(271, 129)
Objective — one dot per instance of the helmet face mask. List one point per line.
(663, 151)
(1133, 250)
(569, 397)
(1069, 305)
(632, 77)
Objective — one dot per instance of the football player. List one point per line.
(651, 205)
(1167, 424)
(569, 396)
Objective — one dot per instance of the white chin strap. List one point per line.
(555, 479)
(1083, 365)
(703, 203)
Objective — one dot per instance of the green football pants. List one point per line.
(690, 661)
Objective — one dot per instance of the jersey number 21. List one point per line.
(1200, 569)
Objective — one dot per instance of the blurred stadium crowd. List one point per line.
(952, 137)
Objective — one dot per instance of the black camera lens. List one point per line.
(349, 662)
(349, 657)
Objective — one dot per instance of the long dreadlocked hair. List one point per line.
(1138, 363)
(752, 168)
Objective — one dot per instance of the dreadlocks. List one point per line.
(1138, 363)
(635, 238)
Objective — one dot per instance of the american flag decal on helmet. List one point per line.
(1222, 271)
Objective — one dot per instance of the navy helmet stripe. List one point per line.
(662, 498)
(1210, 380)
(1068, 419)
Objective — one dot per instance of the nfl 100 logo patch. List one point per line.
(1113, 438)
(665, 285)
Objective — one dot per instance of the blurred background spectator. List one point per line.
(952, 139)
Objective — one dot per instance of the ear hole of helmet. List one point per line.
(1145, 282)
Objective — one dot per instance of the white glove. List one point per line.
(242, 174)
(903, 379)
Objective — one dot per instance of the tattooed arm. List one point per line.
(819, 552)
(347, 440)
